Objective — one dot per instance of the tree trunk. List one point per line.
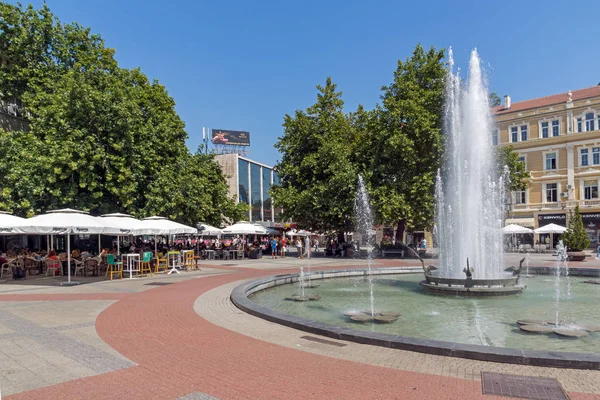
(400, 230)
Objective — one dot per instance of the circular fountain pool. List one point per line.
(433, 321)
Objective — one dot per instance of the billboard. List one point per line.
(234, 138)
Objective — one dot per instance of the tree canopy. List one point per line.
(317, 172)
(102, 138)
(507, 161)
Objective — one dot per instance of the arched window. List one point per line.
(589, 122)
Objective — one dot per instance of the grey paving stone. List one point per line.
(197, 396)
(88, 356)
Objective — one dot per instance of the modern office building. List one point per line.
(558, 139)
(250, 182)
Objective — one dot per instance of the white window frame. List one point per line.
(516, 197)
(549, 121)
(545, 193)
(496, 137)
(592, 152)
(542, 122)
(519, 131)
(557, 152)
(589, 153)
(524, 156)
(597, 190)
(595, 120)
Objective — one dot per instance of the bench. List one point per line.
(392, 251)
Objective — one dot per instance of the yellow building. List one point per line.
(558, 138)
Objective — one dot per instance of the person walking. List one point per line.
(299, 248)
(598, 251)
(307, 247)
(273, 248)
(316, 244)
(283, 246)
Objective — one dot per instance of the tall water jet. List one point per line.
(364, 226)
(469, 189)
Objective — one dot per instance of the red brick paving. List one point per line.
(179, 352)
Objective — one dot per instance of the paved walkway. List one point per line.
(172, 337)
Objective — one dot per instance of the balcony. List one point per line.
(589, 203)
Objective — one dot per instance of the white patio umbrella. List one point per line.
(124, 224)
(205, 229)
(156, 225)
(551, 229)
(9, 224)
(515, 229)
(301, 232)
(66, 222)
(244, 228)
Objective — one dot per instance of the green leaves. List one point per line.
(576, 237)
(101, 138)
(508, 159)
(318, 173)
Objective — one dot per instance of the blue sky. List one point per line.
(243, 65)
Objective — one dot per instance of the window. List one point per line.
(522, 159)
(550, 160)
(589, 122)
(579, 125)
(514, 134)
(590, 190)
(278, 210)
(551, 192)
(596, 155)
(556, 128)
(495, 137)
(266, 184)
(243, 181)
(544, 129)
(520, 197)
(524, 132)
(584, 158)
(255, 194)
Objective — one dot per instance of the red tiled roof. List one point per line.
(561, 98)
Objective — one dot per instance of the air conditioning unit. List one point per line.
(564, 194)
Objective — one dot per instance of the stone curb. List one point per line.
(239, 297)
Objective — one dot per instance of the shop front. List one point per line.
(591, 222)
(546, 219)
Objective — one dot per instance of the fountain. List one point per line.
(469, 196)
(364, 226)
(558, 326)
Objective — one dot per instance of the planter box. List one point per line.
(576, 255)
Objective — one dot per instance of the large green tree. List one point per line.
(317, 172)
(509, 165)
(403, 144)
(102, 138)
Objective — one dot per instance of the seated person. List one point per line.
(3, 259)
(52, 255)
(75, 253)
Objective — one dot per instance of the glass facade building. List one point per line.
(253, 183)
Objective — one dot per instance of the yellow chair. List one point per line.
(114, 267)
(188, 260)
(161, 263)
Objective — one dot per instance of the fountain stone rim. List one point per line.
(240, 298)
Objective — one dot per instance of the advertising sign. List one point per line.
(558, 219)
(233, 138)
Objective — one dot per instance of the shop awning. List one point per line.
(526, 222)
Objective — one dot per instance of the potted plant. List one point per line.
(576, 237)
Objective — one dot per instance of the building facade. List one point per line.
(250, 182)
(558, 139)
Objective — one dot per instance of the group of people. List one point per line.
(304, 247)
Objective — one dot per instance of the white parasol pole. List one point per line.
(99, 245)
(118, 246)
(69, 256)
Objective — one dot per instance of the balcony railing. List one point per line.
(589, 203)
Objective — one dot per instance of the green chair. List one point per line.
(114, 267)
(144, 264)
